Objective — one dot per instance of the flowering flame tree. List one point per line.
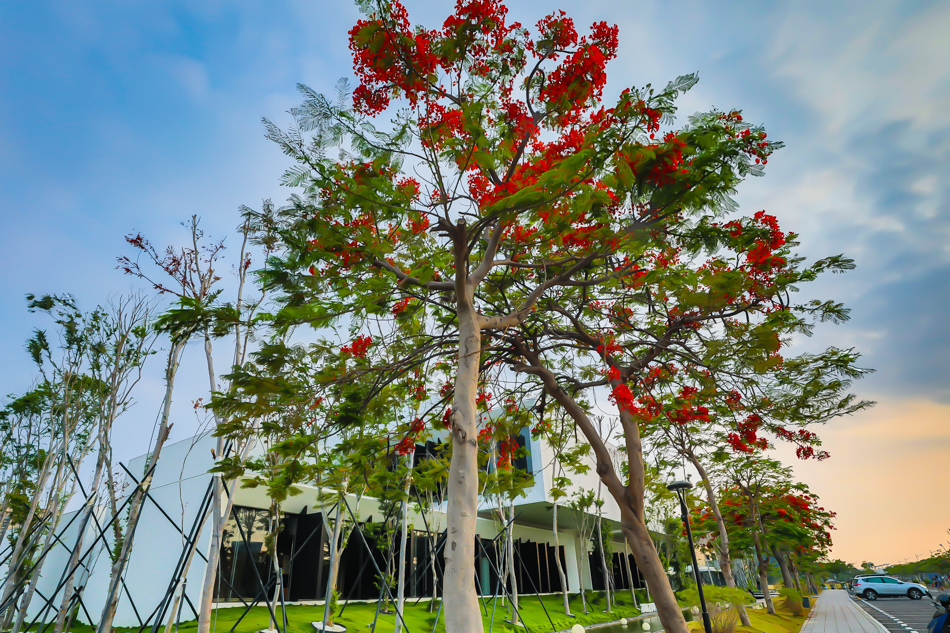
(506, 214)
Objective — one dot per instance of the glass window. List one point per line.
(243, 549)
(891, 581)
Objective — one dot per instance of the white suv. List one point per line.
(870, 587)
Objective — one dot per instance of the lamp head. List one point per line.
(678, 486)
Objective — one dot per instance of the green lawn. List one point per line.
(358, 616)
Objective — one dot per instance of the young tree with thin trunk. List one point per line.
(120, 344)
(602, 547)
(22, 425)
(188, 274)
(568, 460)
(581, 503)
(429, 477)
(68, 407)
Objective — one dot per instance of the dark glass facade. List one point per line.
(618, 568)
(303, 555)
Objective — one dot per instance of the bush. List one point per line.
(793, 601)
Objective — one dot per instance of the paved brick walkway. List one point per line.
(835, 612)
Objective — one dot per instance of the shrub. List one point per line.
(793, 601)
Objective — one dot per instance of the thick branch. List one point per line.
(407, 279)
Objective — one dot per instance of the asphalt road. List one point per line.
(900, 615)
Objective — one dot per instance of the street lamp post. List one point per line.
(680, 488)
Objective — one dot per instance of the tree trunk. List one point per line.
(812, 585)
(184, 580)
(275, 566)
(401, 570)
(792, 567)
(603, 557)
(783, 565)
(14, 562)
(626, 560)
(179, 595)
(138, 496)
(515, 614)
(433, 538)
(56, 502)
(71, 565)
(218, 522)
(459, 583)
(335, 551)
(629, 497)
(219, 515)
(725, 560)
(762, 563)
(435, 573)
(31, 584)
(87, 510)
(220, 510)
(581, 555)
(4, 519)
(557, 560)
(648, 561)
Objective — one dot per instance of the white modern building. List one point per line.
(178, 492)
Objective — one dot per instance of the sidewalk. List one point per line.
(835, 612)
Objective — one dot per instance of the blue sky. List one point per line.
(127, 116)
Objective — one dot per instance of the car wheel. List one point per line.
(915, 594)
(870, 594)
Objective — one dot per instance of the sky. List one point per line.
(124, 116)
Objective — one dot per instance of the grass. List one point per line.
(763, 622)
(358, 616)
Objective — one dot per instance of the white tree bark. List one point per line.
(459, 582)
(401, 569)
(336, 549)
(603, 550)
(138, 499)
(581, 552)
(557, 560)
(15, 562)
(512, 573)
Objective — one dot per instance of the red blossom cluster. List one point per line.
(609, 347)
(621, 396)
(807, 452)
(746, 439)
(506, 451)
(482, 399)
(358, 348)
(806, 441)
(760, 256)
(407, 444)
(580, 78)
(685, 410)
